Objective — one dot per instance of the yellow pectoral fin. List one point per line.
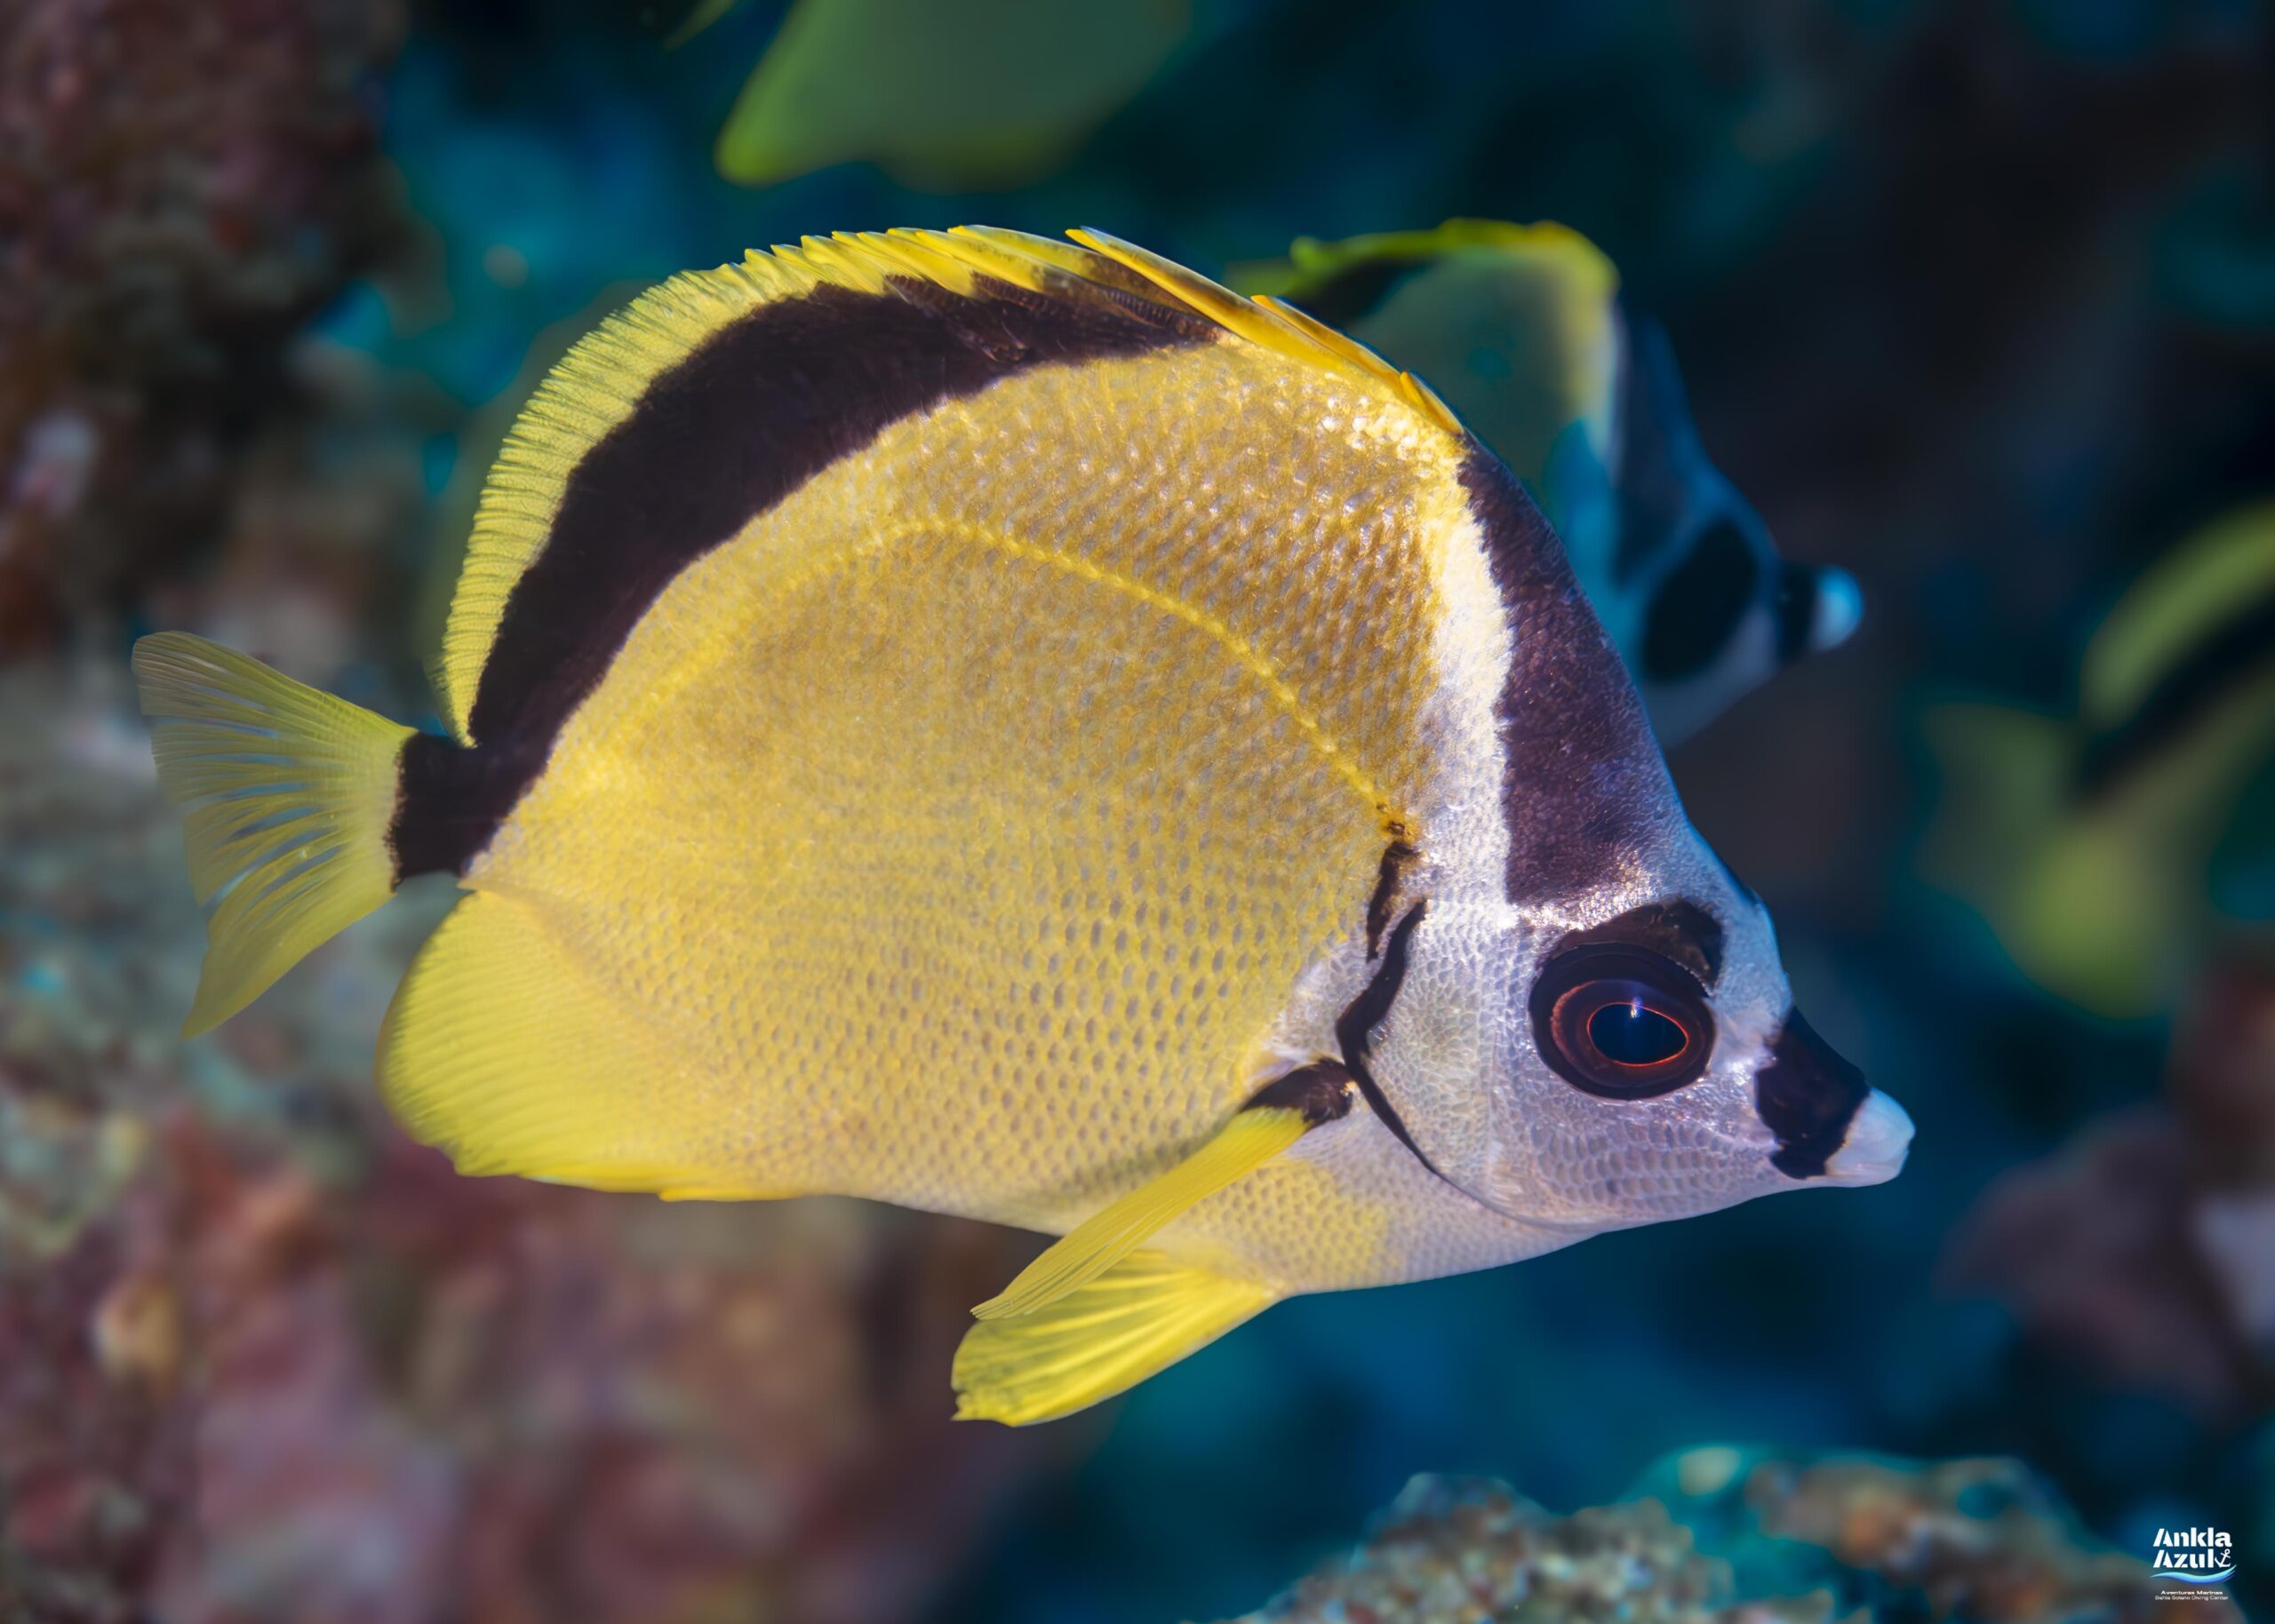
(1103, 1337)
(1281, 1114)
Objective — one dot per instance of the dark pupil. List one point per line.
(1629, 1035)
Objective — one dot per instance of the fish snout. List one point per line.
(1816, 606)
(1879, 1137)
(1829, 1122)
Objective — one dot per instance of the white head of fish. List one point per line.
(1640, 1055)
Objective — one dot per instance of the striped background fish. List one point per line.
(1523, 331)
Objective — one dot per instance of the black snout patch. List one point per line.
(1808, 1095)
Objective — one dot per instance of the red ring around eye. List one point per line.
(1579, 1012)
(1629, 1032)
(1622, 1024)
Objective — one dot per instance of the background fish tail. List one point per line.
(286, 794)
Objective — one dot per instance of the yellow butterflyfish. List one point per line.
(1011, 727)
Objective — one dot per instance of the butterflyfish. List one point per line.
(2109, 849)
(1522, 331)
(1011, 727)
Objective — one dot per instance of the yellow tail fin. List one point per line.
(286, 794)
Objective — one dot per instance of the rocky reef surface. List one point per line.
(183, 183)
(262, 1358)
(1721, 1535)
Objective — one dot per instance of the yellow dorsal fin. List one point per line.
(598, 383)
(986, 246)
(1517, 323)
(592, 390)
(1270, 325)
(1138, 1318)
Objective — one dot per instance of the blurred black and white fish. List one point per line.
(1521, 329)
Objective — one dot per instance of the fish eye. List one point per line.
(1621, 1021)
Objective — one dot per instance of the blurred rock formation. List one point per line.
(2145, 1248)
(1451, 1550)
(183, 183)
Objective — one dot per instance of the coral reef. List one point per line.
(1453, 1550)
(1979, 1540)
(182, 186)
(268, 1360)
(1725, 1536)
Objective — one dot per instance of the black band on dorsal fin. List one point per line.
(753, 412)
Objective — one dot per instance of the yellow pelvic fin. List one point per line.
(506, 1051)
(286, 795)
(1115, 1230)
(1105, 1336)
(1280, 1114)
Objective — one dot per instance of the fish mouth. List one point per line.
(1880, 1138)
(1830, 1124)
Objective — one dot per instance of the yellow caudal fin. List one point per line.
(286, 794)
(1138, 1318)
(1100, 1241)
(504, 1049)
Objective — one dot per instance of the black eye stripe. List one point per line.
(1680, 930)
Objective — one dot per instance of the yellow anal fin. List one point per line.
(1282, 1112)
(1105, 1336)
(506, 1050)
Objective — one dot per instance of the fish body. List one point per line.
(1011, 727)
(2097, 845)
(1521, 329)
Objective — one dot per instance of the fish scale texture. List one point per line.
(955, 834)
